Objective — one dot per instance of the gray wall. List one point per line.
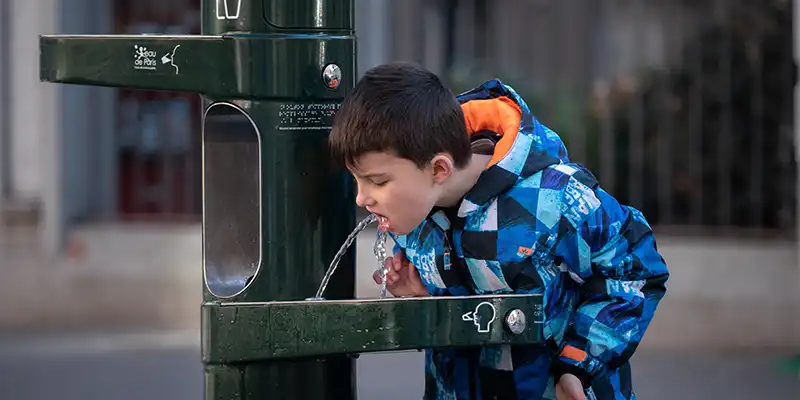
(5, 126)
(60, 137)
(88, 117)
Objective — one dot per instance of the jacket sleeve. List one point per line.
(612, 255)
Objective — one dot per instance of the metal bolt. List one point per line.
(332, 76)
(516, 322)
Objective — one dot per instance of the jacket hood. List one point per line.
(525, 147)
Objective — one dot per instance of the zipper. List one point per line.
(447, 248)
(447, 235)
(461, 278)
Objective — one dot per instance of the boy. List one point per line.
(480, 198)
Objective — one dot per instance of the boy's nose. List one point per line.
(363, 200)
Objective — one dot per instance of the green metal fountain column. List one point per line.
(275, 209)
(272, 74)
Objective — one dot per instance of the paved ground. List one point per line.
(167, 366)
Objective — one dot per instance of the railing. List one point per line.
(683, 109)
(707, 139)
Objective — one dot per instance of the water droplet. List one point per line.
(233, 317)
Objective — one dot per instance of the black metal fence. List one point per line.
(683, 109)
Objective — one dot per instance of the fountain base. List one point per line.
(248, 332)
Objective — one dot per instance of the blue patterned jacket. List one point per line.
(536, 223)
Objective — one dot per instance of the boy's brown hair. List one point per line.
(403, 109)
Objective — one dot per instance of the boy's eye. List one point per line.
(379, 183)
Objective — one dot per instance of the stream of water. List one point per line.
(379, 250)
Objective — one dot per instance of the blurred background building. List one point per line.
(684, 109)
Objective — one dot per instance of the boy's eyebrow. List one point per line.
(372, 175)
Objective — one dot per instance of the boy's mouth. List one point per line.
(383, 223)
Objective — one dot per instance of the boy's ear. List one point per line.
(442, 166)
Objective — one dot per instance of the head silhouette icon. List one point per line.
(482, 317)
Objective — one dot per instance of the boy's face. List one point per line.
(396, 190)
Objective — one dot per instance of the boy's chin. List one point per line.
(396, 231)
(393, 231)
(399, 230)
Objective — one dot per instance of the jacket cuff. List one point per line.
(574, 361)
(560, 367)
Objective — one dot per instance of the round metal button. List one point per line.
(516, 322)
(332, 76)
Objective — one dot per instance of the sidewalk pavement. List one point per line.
(96, 288)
